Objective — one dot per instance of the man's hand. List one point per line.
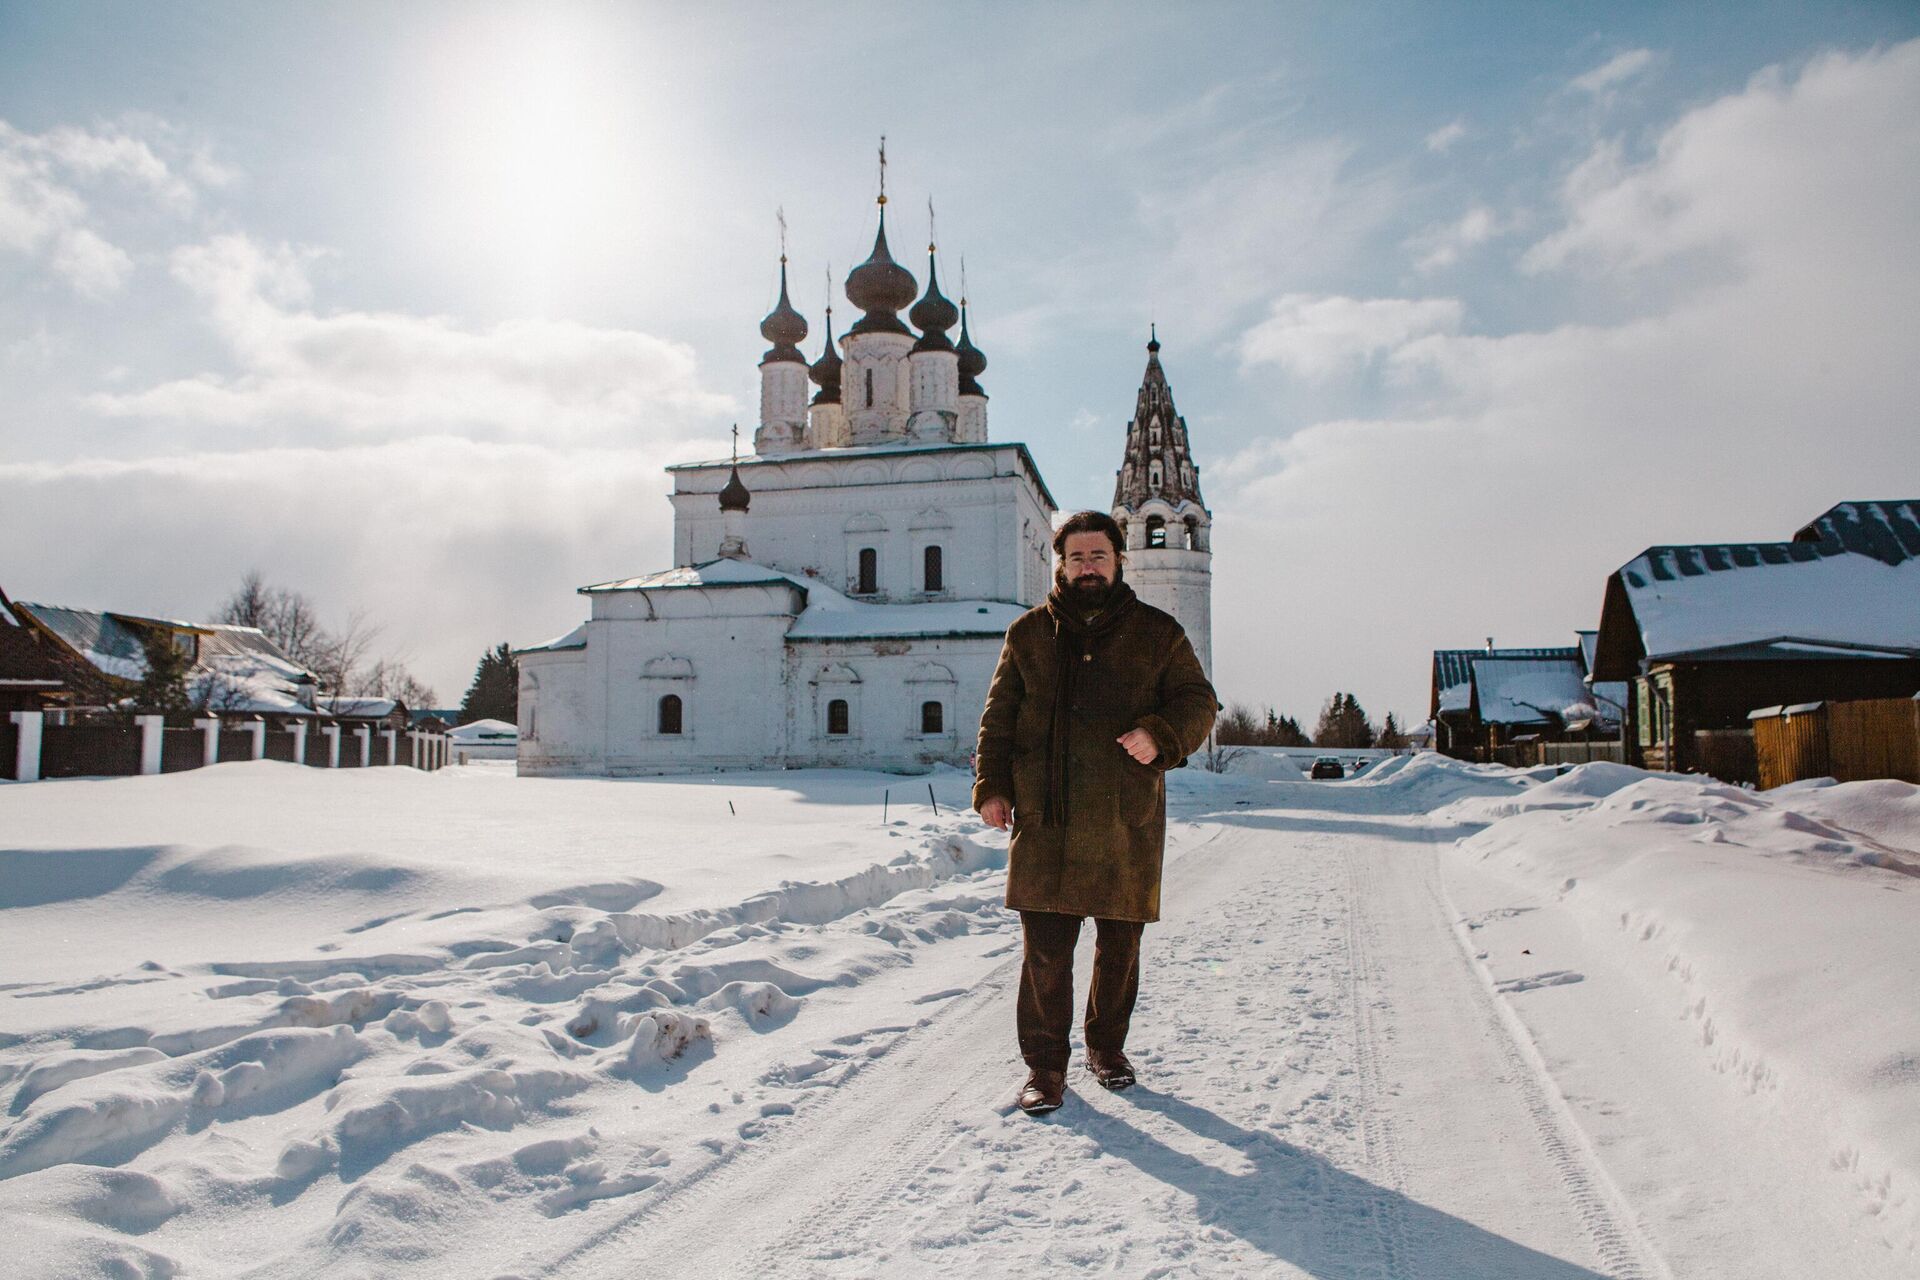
(997, 813)
(1139, 744)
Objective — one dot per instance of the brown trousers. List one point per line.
(1045, 1012)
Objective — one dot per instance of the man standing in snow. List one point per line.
(1096, 695)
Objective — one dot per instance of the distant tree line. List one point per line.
(1343, 723)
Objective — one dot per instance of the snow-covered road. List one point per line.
(1449, 1022)
(1327, 1090)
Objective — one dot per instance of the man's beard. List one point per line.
(1088, 592)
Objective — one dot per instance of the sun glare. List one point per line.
(527, 157)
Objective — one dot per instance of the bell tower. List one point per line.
(1156, 499)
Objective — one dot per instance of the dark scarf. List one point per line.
(1073, 638)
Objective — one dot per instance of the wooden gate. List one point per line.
(1874, 738)
(1790, 743)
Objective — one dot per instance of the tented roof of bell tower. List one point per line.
(1157, 433)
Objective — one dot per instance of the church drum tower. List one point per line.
(1156, 499)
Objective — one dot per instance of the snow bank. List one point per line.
(1265, 764)
(1783, 924)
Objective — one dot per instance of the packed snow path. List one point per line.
(1326, 1090)
(1450, 1022)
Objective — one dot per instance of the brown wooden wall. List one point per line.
(1879, 738)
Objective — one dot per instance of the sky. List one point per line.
(407, 307)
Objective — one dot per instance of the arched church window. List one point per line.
(837, 718)
(1156, 531)
(1193, 533)
(932, 718)
(869, 571)
(1153, 475)
(931, 569)
(670, 713)
(869, 388)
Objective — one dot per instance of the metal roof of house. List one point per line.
(1453, 672)
(1848, 585)
(1528, 690)
(1887, 531)
(100, 638)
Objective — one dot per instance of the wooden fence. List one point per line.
(1582, 752)
(1848, 741)
(120, 744)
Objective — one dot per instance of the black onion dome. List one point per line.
(972, 361)
(735, 496)
(933, 315)
(825, 371)
(880, 287)
(784, 327)
(1153, 340)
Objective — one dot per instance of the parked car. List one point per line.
(1328, 767)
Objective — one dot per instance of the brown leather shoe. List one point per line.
(1110, 1067)
(1043, 1092)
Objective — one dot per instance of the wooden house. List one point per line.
(1705, 634)
(232, 670)
(1484, 699)
(35, 673)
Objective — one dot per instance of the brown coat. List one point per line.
(1139, 672)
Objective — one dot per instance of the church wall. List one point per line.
(559, 722)
(811, 518)
(1180, 583)
(885, 682)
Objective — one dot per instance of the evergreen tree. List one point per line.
(164, 686)
(1290, 734)
(495, 692)
(1390, 736)
(1343, 723)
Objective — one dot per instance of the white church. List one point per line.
(840, 595)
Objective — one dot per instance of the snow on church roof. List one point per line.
(941, 618)
(714, 573)
(827, 614)
(893, 450)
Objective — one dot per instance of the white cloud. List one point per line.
(1246, 227)
(1746, 402)
(452, 545)
(1731, 178)
(1442, 246)
(1620, 67)
(1320, 336)
(1442, 139)
(397, 374)
(46, 180)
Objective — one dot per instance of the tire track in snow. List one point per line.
(1377, 1132)
(1609, 1220)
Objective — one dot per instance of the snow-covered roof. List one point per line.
(1790, 599)
(360, 708)
(897, 449)
(240, 670)
(1528, 690)
(484, 731)
(100, 638)
(713, 573)
(1453, 672)
(937, 618)
(828, 614)
(574, 639)
(1887, 531)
